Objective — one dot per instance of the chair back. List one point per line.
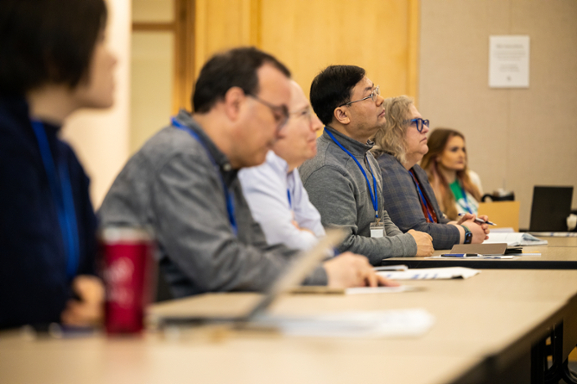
(503, 213)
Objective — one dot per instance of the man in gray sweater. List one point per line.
(344, 180)
(183, 184)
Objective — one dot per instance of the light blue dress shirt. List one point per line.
(266, 189)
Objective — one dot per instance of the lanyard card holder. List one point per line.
(377, 229)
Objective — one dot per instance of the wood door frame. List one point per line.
(182, 28)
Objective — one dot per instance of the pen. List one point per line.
(391, 268)
(481, 221)
(460, 255)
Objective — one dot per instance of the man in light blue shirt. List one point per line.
(274, 190)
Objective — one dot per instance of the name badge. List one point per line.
(377, 229)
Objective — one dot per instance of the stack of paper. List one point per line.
(514, 239)
(392, 323)
(554, 234)
(431, 273)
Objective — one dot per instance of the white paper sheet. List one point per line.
(431, 273)
(391, 323)
(514, 239)
(369, 290)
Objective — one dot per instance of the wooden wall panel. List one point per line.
(222, 24)
(309, 35)
(378, 35)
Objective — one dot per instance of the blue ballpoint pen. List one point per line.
(481, 221)
(460, 255)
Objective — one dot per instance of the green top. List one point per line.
(464, 203)
(456, 189)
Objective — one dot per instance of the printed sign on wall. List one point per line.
(509, 61)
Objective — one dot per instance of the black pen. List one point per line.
(461, 255)
(481, 221)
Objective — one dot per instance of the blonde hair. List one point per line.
(391, 137)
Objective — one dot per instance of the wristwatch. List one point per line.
(468, 235)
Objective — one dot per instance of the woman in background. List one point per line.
(53, 62)
(408, 197)
(458, 190)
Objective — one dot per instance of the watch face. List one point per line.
(468, 237)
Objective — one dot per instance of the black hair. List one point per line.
(234, 68)
(47, 41)
(332, 87)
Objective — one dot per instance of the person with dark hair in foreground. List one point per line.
(399, 145)
(54, 61)
(343, 180)
(183, 184)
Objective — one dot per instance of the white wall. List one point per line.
(516, 138)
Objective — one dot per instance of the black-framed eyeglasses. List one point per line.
(279, 112)
(420, 123)
(373, 96)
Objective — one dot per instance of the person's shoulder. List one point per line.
(274, 169)
(389, 164)
(474, 176)
(325, 162)
(12, 121)
(475, 179)
(420, 171)
(170, 143)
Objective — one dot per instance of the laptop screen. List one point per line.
(550, 208)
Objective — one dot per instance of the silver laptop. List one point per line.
(298, 270)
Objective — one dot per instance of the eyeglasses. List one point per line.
(420, 123)
(373, 96)
(279, 112)
(305, 113)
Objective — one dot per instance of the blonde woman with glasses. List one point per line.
(409, 199)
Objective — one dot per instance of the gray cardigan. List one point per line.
(338, 189)
(171, 186)
(402, 201)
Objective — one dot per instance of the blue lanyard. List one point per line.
(227, 195)
(466, 207)
(373, 195)
(422, 197)
(61, 191)
(288, 193)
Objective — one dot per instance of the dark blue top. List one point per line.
(34, 287)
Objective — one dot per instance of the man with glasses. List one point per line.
(274, 191)
(344, 181)
(183, 184)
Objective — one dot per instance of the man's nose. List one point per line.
(316, 123)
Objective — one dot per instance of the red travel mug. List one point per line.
(127, 255)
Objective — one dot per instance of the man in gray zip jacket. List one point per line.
(344, 180)
(183, 184)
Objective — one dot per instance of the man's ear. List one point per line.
(233, 101)
(341, 114)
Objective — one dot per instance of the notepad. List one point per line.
(514, 239)
(431, 273)
(390, 323)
